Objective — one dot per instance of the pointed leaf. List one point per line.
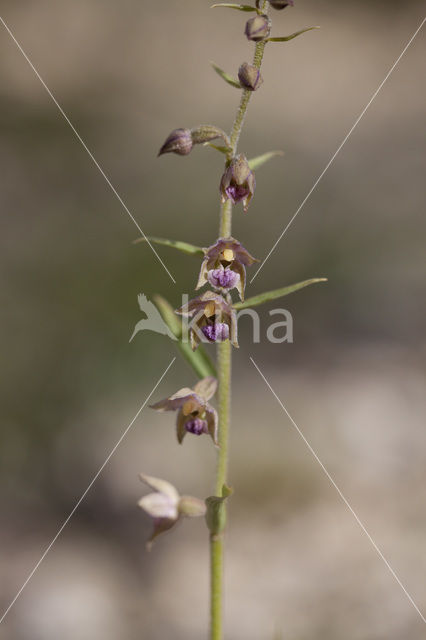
(277, 293)
(238, 7)
(291, 36)
(199, 360)
(224, 150)
(257, 162)
(225, 76)
(187, 248)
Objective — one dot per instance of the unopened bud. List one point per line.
(179, 141)
(258, 28)
(249, 76)
(281, 4)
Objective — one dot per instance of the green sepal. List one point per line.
(258, 161)
(291, 36)
(216, 512)
(185, 247)
(224, 150)
(255, 301)
(238, 7)
(225, 76)
(199, 360)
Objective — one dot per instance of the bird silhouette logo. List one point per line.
(153, 321)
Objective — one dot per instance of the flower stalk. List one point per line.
(212, 314)
(224, 367)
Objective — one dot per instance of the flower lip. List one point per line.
(197, 426)
(223, 278)
(216, 332)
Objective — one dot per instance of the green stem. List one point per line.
(224, 362)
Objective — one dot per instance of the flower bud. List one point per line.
(281, 4)
(179, 141)
(249, 77)
(258, 28)
(238, 182)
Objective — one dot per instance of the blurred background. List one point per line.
(298, 565)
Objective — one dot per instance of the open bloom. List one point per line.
(195, 414)
(224, 265)
(165, 506)
(212, 319)
(238, 182)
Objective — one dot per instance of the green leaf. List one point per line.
(187, 248)
(224, 150)
(277, 293)
(199, 360)
(225, 76)
(238, 7)
(290, 37)
(257, 162)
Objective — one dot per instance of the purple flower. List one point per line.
(238, 182)
(165, 506)
(223, 260)
(195, 414)
(210, 310)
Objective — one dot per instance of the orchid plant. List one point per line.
(212, 315)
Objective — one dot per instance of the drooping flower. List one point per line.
(224, 265)
(195, 414)
(212, 318)
(165, 506)
(238, 182)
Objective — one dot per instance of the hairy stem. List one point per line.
(224, 362)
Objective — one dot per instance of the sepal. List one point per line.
(291, 36)
(226, 76)
(255, 301)
(238, 7)
(258, 161)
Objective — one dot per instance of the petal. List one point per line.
(160, 526)
(161, 486)
(173, 402)
(212, 423)
(206, 387)
(202, 278)
(239, 268)
(159, 505)
(180, 427)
